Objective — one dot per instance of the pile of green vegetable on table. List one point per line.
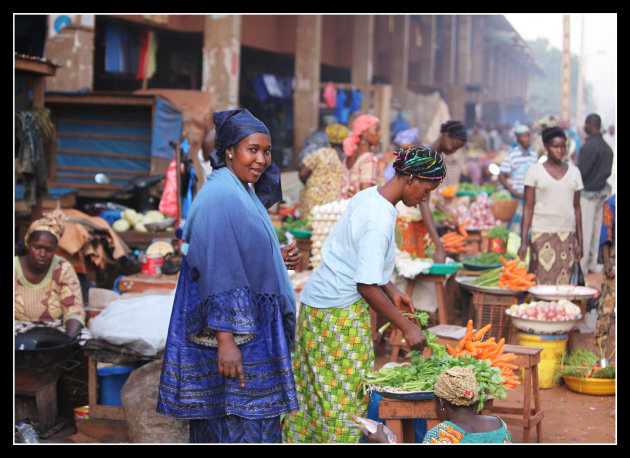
(422, 373)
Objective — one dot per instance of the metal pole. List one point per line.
(566, 73)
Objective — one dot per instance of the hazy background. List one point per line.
(600, 49)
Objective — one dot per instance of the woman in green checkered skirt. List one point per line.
(333, 349)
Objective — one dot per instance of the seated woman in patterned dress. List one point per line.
(47, 288)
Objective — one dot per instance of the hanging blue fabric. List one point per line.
(400, 124)
(187, 200)
(113, 38)
(260, 87)
(342, 112)
(355, 100)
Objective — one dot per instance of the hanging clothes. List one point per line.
(31, 162)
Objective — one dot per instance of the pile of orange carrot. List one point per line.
(515, 276)
(472, 345)
(454, 242)
(449, 191)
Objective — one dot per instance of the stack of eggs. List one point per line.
(323, 218)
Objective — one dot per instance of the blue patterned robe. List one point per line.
(233, 278)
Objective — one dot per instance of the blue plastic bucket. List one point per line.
(111, 380)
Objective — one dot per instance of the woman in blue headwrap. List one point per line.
(333, 349)
(227, 363)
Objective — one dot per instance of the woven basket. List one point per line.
(504, 209)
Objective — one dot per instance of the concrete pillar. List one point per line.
(399, 72)
(477, 51)
(308, 40)
(362, 49)
(427, 50)
(73, 49)
(221, 60)
(464, 48)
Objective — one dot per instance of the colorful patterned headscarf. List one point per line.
(231, 127)
(360, 125)
(421, 162)
(457, 385)
(336, 133)
(455, 129)
(50, 222)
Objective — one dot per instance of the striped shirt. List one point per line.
(515, 165)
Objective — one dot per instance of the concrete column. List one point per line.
(307, 75)
(73, 49)
(221, 60)
(362, 49)
(399, 72)
(477, 51)
(427, 51)
(464, 48)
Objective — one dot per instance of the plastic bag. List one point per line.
(577, 278)
(330, 96)
(168, 202)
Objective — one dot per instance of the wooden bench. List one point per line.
(399, 415)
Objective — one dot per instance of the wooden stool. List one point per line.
(399, 415)
(40, 384)
(444, 308)
(527, 416)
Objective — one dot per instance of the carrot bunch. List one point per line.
(449, 191)
(472, 345)
(515, 276)
(454, 242)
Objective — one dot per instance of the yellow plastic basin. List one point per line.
(596, 386)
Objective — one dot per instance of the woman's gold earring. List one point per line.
(230, 157)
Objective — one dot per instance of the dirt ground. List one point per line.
(568, 417)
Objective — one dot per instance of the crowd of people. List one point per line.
(243, 362)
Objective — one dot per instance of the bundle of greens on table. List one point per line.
(422, 373)
(291, 222)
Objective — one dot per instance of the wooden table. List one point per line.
(399, 415)
(527, 416)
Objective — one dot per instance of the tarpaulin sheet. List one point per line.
(167, 127)
(82, 134)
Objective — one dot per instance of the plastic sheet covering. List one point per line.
(139, 323)
(167, 127)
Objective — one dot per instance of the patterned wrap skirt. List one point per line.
(607, 304)
(552, 256)
(333, 353)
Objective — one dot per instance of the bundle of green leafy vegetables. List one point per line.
(422, 373)
(299, 224)
(583, 363)
(499, 232)
(488, 258)
(485, 187)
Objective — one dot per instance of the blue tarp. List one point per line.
(128, 137)
(167, 127)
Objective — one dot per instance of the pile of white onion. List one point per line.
(562, 310)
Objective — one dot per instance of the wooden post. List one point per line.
(566, 71)
(400, 58)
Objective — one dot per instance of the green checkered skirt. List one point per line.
(333, 353)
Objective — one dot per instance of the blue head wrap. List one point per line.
(231, 127)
